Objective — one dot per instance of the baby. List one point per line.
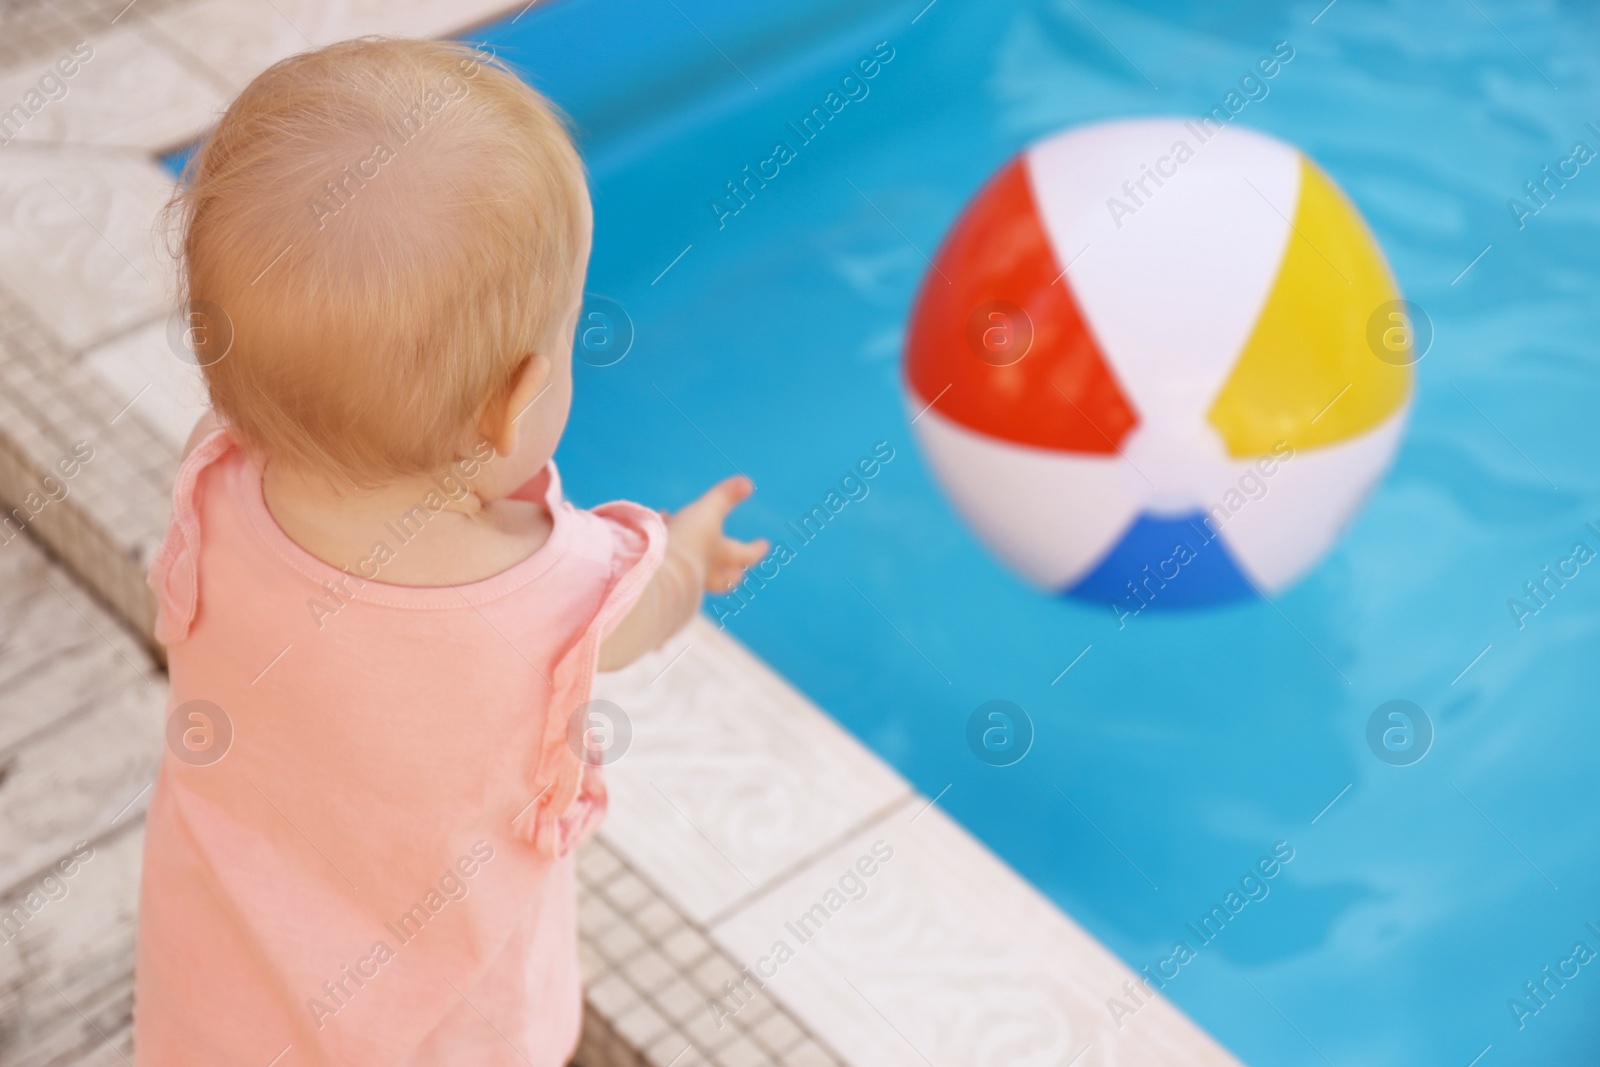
(382, 618)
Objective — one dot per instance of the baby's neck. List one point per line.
(330, 496)
(412, 531)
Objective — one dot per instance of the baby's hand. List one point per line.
(700, 558)
(695, 535)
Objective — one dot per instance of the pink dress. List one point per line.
(378, 869)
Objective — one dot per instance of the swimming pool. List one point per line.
(1178, 752)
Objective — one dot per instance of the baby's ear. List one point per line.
(498, 423)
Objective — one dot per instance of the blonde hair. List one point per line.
(388, 228)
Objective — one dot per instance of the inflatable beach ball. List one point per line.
(1159, 364)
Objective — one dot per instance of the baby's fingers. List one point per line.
(724, 580)
(726, 495)
(742, 553)
(732, 560)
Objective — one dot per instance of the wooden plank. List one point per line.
(66, 969)
(76, 782)
(60, 651)
(80, 739)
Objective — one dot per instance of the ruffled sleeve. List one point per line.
(574, 797)
(174, 573)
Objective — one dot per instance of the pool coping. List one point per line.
(741, 809)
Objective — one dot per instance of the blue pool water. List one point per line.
(1417, 905)
(1420, 903)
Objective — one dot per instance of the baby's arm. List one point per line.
(699, 558)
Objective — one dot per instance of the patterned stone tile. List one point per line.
(231, 40)
(128, 91)
(168, 393)
(237, 39)
(325, 22)
(732, 776)
(32, 31)
(78, 243)
(943, 955)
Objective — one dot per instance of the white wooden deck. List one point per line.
(79, 740)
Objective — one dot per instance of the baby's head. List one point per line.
(389, 238)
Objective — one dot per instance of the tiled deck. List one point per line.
(735, 815)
